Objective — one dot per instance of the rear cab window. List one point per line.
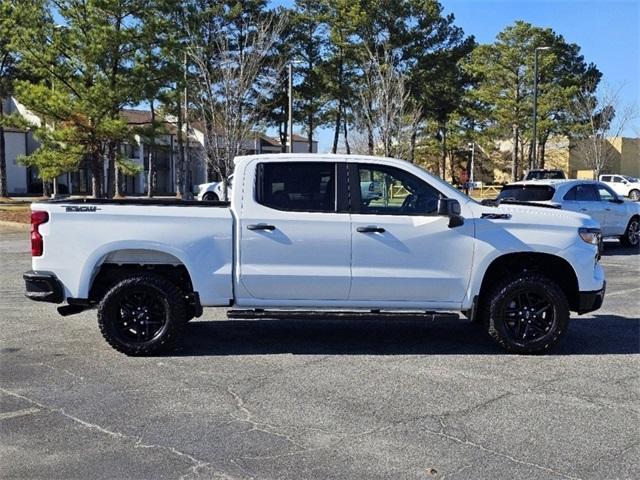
(527, 193)
(297, 186)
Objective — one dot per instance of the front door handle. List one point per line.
(371, 229)
(584, 210)
(260, 226)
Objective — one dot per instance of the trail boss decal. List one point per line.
(75, 208)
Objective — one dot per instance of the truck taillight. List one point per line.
(37, 243)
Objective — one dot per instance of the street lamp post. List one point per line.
(472, 145)
(290, 125)
(534, 146)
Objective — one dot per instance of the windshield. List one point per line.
(545, 175)
(630, 179)
(527, 193)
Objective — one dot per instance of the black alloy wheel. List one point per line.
(142, 315)
(528, 316)
(526, 313)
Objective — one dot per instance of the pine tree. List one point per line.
(87, 59)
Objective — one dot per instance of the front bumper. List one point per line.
(43, 287)
(590, 301)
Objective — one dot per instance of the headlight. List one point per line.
(591, 235)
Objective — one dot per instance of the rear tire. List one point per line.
(527, 313)
(210, 197)
(631, 237)
(142, 315)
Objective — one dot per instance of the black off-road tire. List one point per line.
(501, 298)
(631, 237)
(210, 197)
(166, 301)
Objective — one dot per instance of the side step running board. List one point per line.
(342, 314)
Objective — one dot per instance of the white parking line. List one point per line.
(622, 292)
(19, 413)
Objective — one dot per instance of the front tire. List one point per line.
(210, 197)
(527, 313)
(634, 195)
(631, 237)
(142, 315)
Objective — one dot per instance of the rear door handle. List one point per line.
(371, 229)
(260, 226)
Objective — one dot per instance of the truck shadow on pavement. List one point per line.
(614, 249)
(596, 335)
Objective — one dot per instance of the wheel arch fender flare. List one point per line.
(549, 264)
(98, 257)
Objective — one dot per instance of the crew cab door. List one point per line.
(295, 244)
(402, 251)
(584, 198)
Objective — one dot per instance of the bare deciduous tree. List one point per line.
(384, 112)
(231, 83)
(603, 116)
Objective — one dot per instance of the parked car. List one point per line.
(212, 192)
(623, 185)
(617, 217)
(299, 234)
(545, 174)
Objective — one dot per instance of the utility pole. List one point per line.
(186, 167)
(534, 141)
(473, 151)
(290, 124)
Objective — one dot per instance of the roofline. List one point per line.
(313, 156)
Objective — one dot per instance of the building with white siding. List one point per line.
(23, 180)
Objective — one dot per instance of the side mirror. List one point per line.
(449, 207)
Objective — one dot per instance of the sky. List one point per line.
(608, 31)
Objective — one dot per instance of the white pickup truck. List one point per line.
(298, 239)
(623, 185)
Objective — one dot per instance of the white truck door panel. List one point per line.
(287, 253)
(415, 259)
(402, 251)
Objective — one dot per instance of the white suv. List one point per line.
(617, 217)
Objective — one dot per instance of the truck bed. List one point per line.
(82, 235)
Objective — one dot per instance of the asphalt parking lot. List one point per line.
(317, 399)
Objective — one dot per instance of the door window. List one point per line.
(390, 191)
(583, 193)
(297, 186)
(606, 193)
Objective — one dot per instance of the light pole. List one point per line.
(534, 142)
(472, 146)
(58, 28)
(290, 94)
